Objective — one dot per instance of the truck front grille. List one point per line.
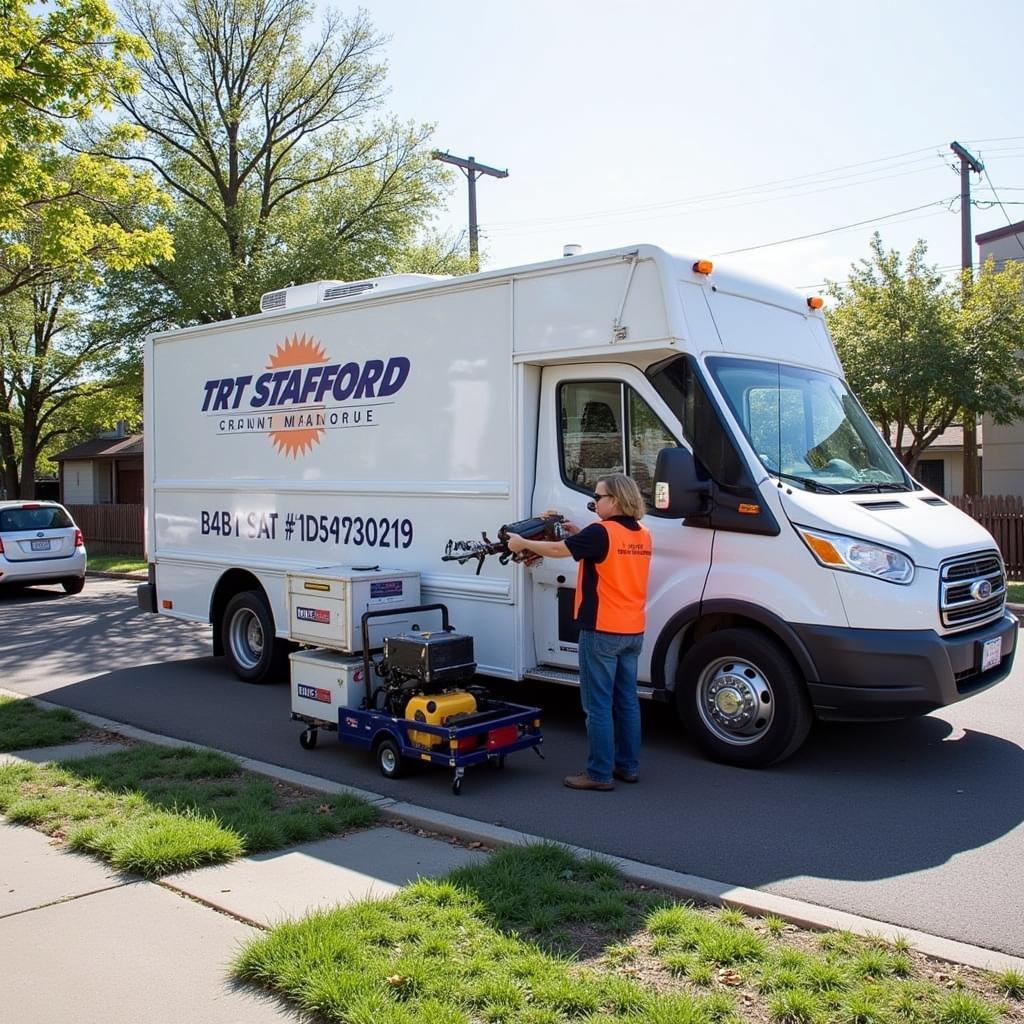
(972, 590)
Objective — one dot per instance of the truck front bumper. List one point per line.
(879, 673)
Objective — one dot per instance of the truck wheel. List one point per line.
(247, 632)
(389, 759)
(742, 699)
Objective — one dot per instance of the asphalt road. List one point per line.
(918, 823)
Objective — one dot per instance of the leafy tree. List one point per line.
(60, 67)
(62, 378)
(266, 143)
(919, 350)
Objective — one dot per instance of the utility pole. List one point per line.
(472, 171)
(968, 163)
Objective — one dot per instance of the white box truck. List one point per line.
(799, 571)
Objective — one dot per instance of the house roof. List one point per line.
(104, 448)
(952, 438)
(1004, 232)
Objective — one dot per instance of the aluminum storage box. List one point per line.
(326, 604)
(323, 681)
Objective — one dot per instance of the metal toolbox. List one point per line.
(434, 658)
(323, 681)
(326, 604)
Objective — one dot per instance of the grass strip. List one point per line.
(23, 725)
(116, 563)
(156, 810)
(536, 936)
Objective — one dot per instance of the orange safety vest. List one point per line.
(618, 584)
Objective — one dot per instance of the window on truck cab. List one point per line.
(679, 384)
(606, 427)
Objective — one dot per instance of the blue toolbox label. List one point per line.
(314, 615)
(386, 591)
(314, 693)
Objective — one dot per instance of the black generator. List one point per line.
(435, 659)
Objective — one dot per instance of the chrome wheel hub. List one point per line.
(246, 638)
(735, 700)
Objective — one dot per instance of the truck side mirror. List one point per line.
(678, 489)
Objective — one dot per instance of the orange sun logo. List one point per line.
(298, 350)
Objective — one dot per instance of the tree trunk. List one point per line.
(972, 477)
(29, 453)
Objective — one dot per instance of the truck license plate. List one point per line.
(991, 653)
(40, 545)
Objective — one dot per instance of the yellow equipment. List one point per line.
(435, 709)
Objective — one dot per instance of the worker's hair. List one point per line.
(626, 494)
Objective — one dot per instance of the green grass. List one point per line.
(1010, 983)
(155, 810)
(116, 563)
(1015, 592)
(494, 943)
(23, 724)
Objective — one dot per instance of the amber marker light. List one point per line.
(703, 267)
(815, 302)
(746, 509)
(824, 549)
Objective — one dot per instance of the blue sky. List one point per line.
(619, 123)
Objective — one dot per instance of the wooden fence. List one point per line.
(1003, 517)
(111, 529)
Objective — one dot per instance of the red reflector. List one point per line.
(502, 737)
(1, 547)
(79, 540)
(167, 604)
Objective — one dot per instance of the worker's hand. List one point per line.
(515, 543)
(569, 528)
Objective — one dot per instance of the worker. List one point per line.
(614, 556)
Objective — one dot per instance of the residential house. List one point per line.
(1004, 444)
(104, 471)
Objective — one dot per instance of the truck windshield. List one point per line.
(807, 427)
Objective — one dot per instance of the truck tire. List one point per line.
(742, 699)
(247, 632)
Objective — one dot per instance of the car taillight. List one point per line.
(79, 540)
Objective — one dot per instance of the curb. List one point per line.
(706, 890)
(140, 576)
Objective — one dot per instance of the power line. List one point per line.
(736, 193)
(830, 231)
(1003, 207)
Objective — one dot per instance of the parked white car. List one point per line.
(40, 543)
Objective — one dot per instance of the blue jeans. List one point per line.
(610, 702)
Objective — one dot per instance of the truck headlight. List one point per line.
(854, 555)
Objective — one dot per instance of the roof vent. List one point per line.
(342, 291)
(326, 291)
(273, 300)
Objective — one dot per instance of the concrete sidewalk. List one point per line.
(81, 943)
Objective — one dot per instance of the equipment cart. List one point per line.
(423, 710)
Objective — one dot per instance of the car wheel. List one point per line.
(247, 632)
(73, 585)
(742, 699)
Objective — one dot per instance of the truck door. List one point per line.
(597, 419)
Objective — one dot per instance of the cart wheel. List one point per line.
(389, 759)
(307, 739)
(457, 787)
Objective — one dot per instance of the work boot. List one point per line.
(625, 776)
(584, 781)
